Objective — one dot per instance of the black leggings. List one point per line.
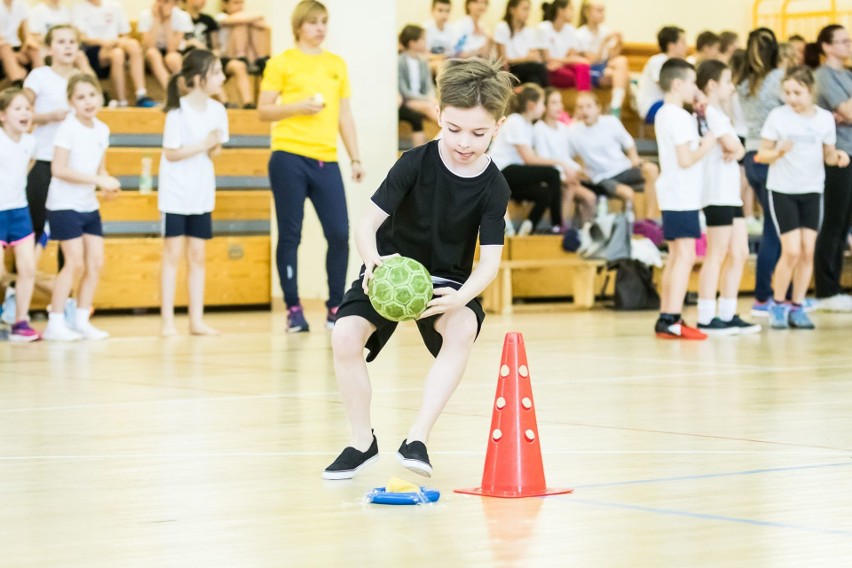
(831, 242)
(539, 184)
(38, 183)
(531, 72)
(412, 117)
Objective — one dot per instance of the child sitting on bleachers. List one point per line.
(602, 47)
(470, 37)
(566, 67)
(609, 155)
(206, 36)
(707, 46)
(163, 27)
(552, 140)
(439, 34)
(729, 43)
(244, 35)
(672, 42)
(415, 82)
(104, 29)
(18, 48)
(520, 45)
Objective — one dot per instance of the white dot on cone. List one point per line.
(497, 434)
(504, 371)
(530, 435)
(527, 403)
(501, 402)
(522, 371)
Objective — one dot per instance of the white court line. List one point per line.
(297, 395)
(218, 455)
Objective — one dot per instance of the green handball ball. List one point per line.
(400, 289)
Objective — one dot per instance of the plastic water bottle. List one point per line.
(146, 181)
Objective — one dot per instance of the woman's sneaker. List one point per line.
(718, 327)
(351, 461)
(414, 457)
(743, 326)
(23, 333)
(331, 317)
(296, 321)
(779, 316)
(800, 320)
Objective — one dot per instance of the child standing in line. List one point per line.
(679, 192)
(196, 128)
(73, 210)
(797, 140)
(16, 230)
(432, 206)
(727, 237)
(529, 176)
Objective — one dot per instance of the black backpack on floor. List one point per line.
(634, 286)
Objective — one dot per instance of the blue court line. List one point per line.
(711, 517)
(713, 475)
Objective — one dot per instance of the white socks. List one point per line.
(706, 311)
(727, 308)
(141, 93)
(617, 98)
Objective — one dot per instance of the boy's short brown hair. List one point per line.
(469, 83)
(410, 33)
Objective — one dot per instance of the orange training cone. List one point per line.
(513, 466)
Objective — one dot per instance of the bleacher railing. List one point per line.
(803, 17)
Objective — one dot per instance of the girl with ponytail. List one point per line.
(196, 128)
(567, 68)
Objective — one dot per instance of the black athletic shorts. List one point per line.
(795, 211)
(632, 177)
(198, 226)
(722, 215)
(357, 303)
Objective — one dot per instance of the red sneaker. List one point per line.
(678, 330)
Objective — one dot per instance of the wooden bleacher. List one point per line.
(238, 256)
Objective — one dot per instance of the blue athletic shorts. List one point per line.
(681, 225)
(198, 226)
(15, 226)
(597, 73)
(68, 224)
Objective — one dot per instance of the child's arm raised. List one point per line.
(687, 158)
(835, 157)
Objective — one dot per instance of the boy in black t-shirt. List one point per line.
(434, 202)
(206, 36)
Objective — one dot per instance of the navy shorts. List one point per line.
(93, 54)
(68, 224)
(357, 303)
(15, 226)
(597, 72)
(197, 226)
(722, 215)
(795, 211)
(681, 225)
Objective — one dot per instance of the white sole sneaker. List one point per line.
(416, 466)
(349, 473)
(61, 336)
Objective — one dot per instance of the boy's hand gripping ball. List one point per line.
(400, 289)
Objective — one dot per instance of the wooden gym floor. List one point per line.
(139, 451)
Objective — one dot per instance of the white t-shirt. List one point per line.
(107, 21)
(466, 38)
(721, 178)
(678, 189)
(43, 17)
(86, 147)
(602, 146)
(558, 44)
(554, 143)
(179, 21)
(11, 19)
(516, 131)
(519, 45)
(439, 42)
(188, 187)
(649, 84)
(802, 169)
(590, 42)
(15, 160)
(50, 89)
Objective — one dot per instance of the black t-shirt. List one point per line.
(435, 215)
(205, 25)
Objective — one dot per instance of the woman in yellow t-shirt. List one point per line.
(305, 93)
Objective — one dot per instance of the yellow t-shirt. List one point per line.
(297, 76)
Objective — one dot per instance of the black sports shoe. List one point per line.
(718, 327)
(350, 461)
(744, 326)
(413, 456)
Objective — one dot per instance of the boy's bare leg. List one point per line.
(348, 340)
(676, 275)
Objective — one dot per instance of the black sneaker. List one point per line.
(350, 461)
(744, 326)
(718, 327)
(413, 456)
